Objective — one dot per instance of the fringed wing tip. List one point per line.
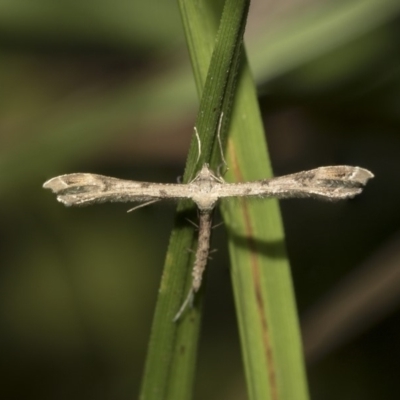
(54, 184)
(361, 175)
(68, 187)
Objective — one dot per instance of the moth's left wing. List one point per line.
(84, 189)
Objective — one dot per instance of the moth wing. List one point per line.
(83, 189)
(329, 183)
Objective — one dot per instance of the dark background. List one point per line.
(106, 87)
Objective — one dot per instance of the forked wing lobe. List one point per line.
(329, 183)
(83, 189)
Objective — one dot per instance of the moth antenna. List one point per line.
(220, 145)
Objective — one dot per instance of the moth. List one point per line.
(326, 183)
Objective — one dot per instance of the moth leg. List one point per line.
(143, 205)
(188, 300)
(192, 223)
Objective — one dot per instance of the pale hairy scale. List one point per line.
(327, 183)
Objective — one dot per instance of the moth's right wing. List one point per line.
(329, 183)
(84, 189)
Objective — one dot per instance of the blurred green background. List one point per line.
(107, 88)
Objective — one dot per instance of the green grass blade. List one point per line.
(215, 75)
(171, 357)
(263, 289)
(260, 270)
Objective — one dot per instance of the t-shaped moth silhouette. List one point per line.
(327, 183)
